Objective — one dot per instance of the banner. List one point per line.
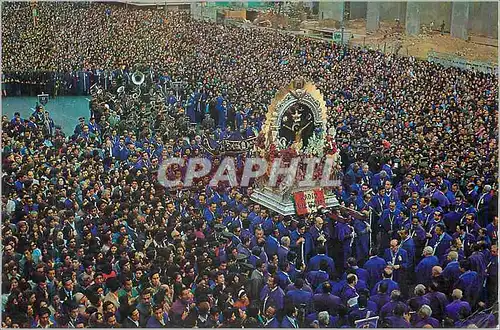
(308, 201)
(43, 99)
(227, 146)
(370, 322)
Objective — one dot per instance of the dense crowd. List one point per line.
(90, 239)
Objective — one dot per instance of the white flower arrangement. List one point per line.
(316, 144)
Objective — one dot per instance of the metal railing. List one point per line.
(448, 60)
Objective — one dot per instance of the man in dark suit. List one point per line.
(67, 292)
(441, 240)
(132, 320)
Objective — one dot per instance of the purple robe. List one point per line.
(344, 231)
(276, 297)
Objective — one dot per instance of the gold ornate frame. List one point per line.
(297, 92)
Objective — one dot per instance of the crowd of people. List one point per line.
(91, 239)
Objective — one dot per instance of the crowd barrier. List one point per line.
(56, 83)
(448, 60)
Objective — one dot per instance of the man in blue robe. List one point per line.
(397, 258)
(418, 300)
(478, 262)
(389, 223)
(381, 297)
(348, 293)
(301, 243)
(362, 309)
(388, 307)
(469, 282)
(467, 239)
(424, 318)
(452, 269)
(315, 262)
(415, 214)
(365, 175)
(375, 265)
(471, 226)
(482, 206)
(387, 279)
(408, 245)
(418, 234)
(438, 195)
(317, 277)
(271, 319)
(209, 213)
(272, 243)
(471, 194)
(390, 193)
(452, 219)
(379, 180)
(441, 240)
(491, 285)
(345, 237)
(423, 270)
(425, 210)
(377, 206)
(290, 318)
(283, 278)
(362, 239)
(190, 107)
(299, 296)
(362, 274)
(283, 249)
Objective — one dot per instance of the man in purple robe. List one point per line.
(272, 294)
(326, 300)
(477, 262)
(399, 319)
(452, 309)
(425, 318)
(345, 236)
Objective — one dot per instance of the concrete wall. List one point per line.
(412, 23)
(372, 16)
(483, 18)
(436, 12)
(429, 11)
(331, 10)
(389, 11)
(460, 20)
(358, 9)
